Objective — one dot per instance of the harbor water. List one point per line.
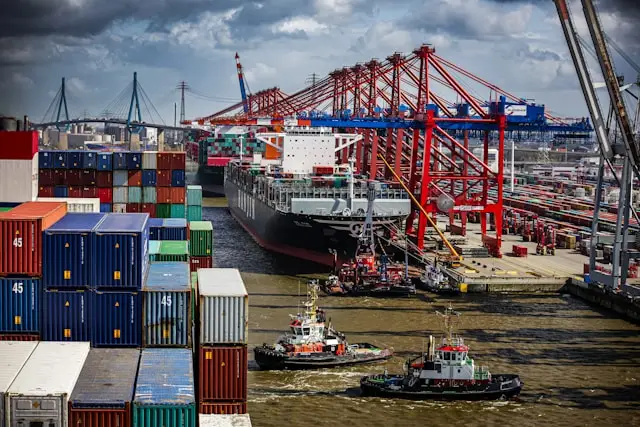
(580, 365)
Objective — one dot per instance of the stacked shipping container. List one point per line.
(147, 182)
(194, 203)
(223, 332)
(18, 166)
(201, 244)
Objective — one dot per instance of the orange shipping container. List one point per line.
(135, 178)
(21, 236)
(163, 195)
(178, 195)
(221, 408)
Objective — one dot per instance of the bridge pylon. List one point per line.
(134, 108)
(62, 103)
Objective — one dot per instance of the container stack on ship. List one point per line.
(223, 331)
(201, 244)
(21, 267)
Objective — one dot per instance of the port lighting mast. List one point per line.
(628, 152)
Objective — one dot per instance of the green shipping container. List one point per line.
(194, 195)
(177, 211)
(5, 209)
(149, 195)
(201, 243)
(194, 291)
(163, 211)
(194, 213)
(135, 194)
(170, 251)
(154, 249)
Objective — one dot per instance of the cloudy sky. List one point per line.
(97, 44)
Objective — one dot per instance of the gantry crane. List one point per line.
(628, 152)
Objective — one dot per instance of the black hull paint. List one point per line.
(269, 359)
(308, 237)
(492, 391)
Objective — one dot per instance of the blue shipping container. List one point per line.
(177, 178)
(119, 160)
(60, 191)
(67, 252)
(149, 178)
(167, 305)
(89, 160)
(155, 227)
(116, 319)
(74, 159)
(45, 160)
(65, 316)
(59, 159)
(105, 207)
(20, 305)
(120, 178)
(174, 229)
(134, 160)
(121, 243)
(105, 161)
(165, 384)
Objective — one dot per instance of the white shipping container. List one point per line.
(150, 160)
(235, 420)
(19, 180)
(75, 204)
(224, 306)
(119, 208)
(13, 355)
(120, 194)
(39, 394)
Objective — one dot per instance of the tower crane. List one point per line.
(243, 92)
(628, 152)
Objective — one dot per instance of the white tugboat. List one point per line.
(434, 280)
(313, 343)
(445, 372)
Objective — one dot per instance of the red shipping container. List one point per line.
(59, 177)
(105, 195)
(223, 373)
(19, 337)
(164, 178)
(164, 161)
(74, 177)
(100, 417)
(222, 408)
(89, 192)
(200, 262)
(45, 192)
(21, 145)
(104, 179)
(133, 207)
(21, 236)
(88, 177)
(45, 177)
(149, 208)
(177, 195)
(135, 179)
(179, 160)
(75, 192)
(163, 195)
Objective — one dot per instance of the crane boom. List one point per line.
(243, 92)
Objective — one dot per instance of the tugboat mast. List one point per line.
(450, 318)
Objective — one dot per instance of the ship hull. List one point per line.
(269, 359)
(310, 237)
(502, 387)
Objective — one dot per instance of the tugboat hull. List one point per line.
(268, 358)
(502, 386)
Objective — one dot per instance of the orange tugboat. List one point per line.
(313, 343)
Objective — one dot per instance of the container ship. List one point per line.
(298, 202)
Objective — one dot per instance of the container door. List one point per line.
(36, 412)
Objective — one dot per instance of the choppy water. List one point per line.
(580, 365)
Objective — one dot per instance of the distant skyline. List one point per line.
(517, 45)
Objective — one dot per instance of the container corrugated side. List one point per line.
(75, 204)
(174, 229)
(236, 420)
(65, 315)
(21, 236)
(155, 226)
(116, 319)
(167, 305)
(39, 394)
(20, 300)
(222, 373)
(173, 251)
(19, 180)
(194, 195)
(220, 408)
(67, 251)
(150, 160)
(104, 390)
(164, 389)
(19, 337)
(201, 238)
(224, 306)
(121, 243)
(13, 356)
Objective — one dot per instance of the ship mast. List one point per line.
(310, 304)
(450, 318)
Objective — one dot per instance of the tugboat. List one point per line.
(445, 372)
(433, 280)
(313, 344)
(370, 273)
